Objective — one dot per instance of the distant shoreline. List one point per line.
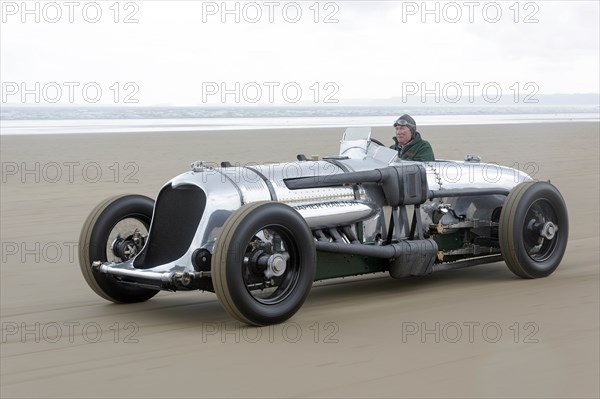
(87, 126)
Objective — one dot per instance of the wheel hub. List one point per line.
(127, 248)
(265, 265)
(124, 249)
(545, 230)
(276, 265)
(549, 230)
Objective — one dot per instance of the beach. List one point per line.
(476, 332)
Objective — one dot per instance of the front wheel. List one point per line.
(534, 229)
(264, 263)
(115, 231)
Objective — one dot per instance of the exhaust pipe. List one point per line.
(391, 251)
(407, 258)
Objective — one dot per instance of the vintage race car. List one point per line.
(259, 235)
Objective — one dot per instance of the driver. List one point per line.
(408, 142)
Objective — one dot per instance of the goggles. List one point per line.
(402, 122)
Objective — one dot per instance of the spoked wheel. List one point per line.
(264, 263)
(115, 231)
(534, 229)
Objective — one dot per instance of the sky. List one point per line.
(304, 52)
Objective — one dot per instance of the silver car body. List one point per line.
(228, 188)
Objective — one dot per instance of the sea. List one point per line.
(18, 120)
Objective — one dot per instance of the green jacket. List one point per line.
(416, 150)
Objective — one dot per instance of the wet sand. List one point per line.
(478, 332)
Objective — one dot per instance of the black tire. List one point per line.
(528, 251)
(233, 278)
(95, 244)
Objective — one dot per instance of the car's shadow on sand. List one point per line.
(382, 284)
(194, 308)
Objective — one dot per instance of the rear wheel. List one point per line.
(264, 263)
(115, 231)
(534, 229)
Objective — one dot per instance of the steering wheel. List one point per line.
(377, 142)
